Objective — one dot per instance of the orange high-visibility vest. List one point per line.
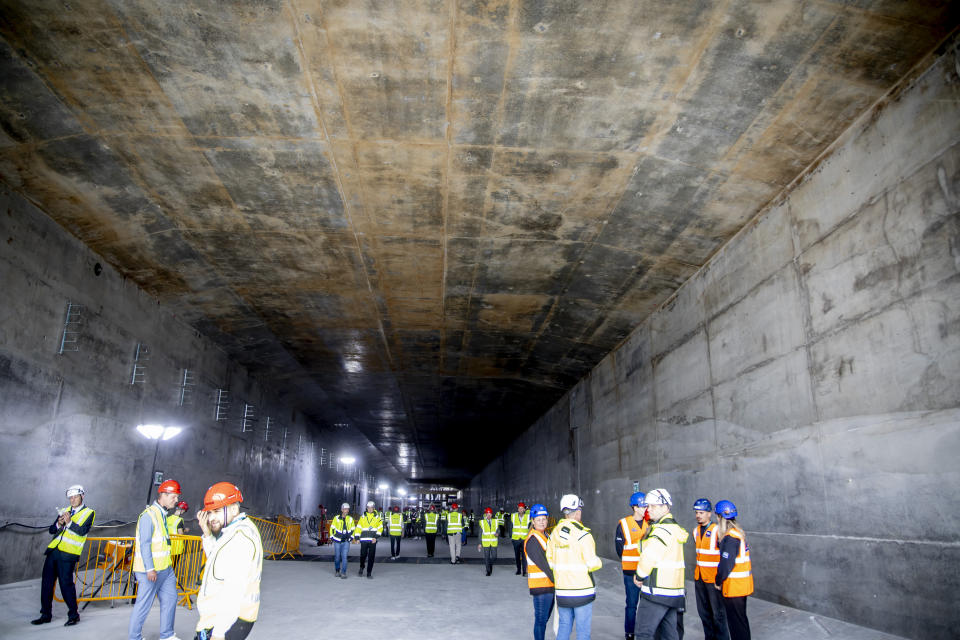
(708, 553)
(740, 581)
(632, 534)
(536, 579)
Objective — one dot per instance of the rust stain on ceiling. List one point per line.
(429, 219)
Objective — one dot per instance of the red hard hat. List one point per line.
(396, 508)
(488, 510)
(220, 495)
(169, 486)
(433, 507)
(520, 504)
(183, 505)
(455, 506)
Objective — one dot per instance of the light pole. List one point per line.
(156, 432)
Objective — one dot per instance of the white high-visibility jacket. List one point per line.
(231, 578)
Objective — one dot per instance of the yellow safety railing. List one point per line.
(105, 569)
(279, 540)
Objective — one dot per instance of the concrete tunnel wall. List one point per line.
(811, 374)
(71, 418)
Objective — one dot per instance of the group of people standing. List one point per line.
(229, 597)
(649, 542)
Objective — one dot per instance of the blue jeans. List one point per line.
(165, 589)
(630, 611)
(340, 550)
(542, 607)
(582, 615)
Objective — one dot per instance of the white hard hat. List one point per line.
(75, 490)
(345, 506)
(571, 502)
(659, 496)
(371, 504)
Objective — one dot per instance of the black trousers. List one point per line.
(655, 620)
(431, 542)
(368, 553)
(736, 609)
(394, 545)
(520, 556)
(711, 610)
(237, 631)
(489, 557)
(58, 566)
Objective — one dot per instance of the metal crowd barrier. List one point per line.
(279, 540)
(104, 571)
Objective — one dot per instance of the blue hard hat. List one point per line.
(702, 504)
(726, 509)
(638, 499)
(538, 510)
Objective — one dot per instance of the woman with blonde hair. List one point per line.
(734, 574)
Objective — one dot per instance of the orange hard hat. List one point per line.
(169, 486)
(220, 495)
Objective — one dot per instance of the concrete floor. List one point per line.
(302, 600)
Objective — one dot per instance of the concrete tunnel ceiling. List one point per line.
(427, 220)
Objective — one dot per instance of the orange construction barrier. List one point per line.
(279, 540)
(104, 571)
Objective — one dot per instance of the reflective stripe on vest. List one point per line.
(520, 525)
(341, 529)
(159, 543)
(708, 555)
(740, 581)
(454, 522)
(488, 532)
(431, 520)
(367, 527)
(173, 523)
(396, 524)
(536, 579)
(68, 541)
(632, 533)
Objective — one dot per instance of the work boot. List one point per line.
(369, 577)
(629, 636)
(336, 574)
(41, 620)
(71, 621)
(360, 573)
(343, 576)
(517, 573)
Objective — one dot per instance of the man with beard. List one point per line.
(229, 598)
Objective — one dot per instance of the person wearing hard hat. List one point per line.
(152, 564)
(734, 572)
(539, 573)
(431, 520)
(395, 523)
(572, 554)
(369, 526)
(454, 531)
(341, 530)
(706, 542)
(630, 530)
(229, 597)
(175, 528)
(519, 526)
(69, 533)
(659, 571)
(488, 539)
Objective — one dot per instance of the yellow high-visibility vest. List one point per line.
(431, 519)
(68, 541)
(521, 524)
(488, 532)
(173, 523)
(159, 543)
(454, 522)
